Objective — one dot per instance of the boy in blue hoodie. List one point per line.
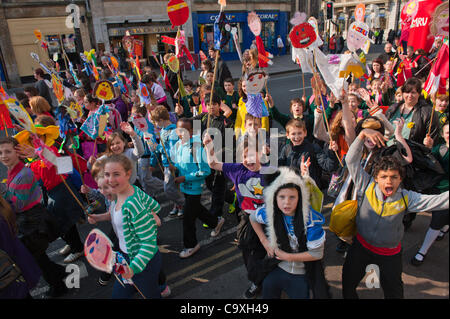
(189, 158)
(168, 139)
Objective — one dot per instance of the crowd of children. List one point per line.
(361, 146)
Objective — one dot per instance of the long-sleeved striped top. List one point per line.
(23, 190)
(139, 228)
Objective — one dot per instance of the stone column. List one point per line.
(9, 57)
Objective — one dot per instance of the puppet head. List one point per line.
(357, 36)
(98, 251)
(256, 81)
(104, 90)
(254, 23)
(178, 12)
(302, 35)
(439, 23)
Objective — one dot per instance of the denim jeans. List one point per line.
(295, 286)
(146, 281)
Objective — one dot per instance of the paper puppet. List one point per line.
(5, 118)
(173, 63)
(140, 122)
(92, 124)
(255, 104)
(35, 57)
(302, 34)
(57, 88)
(104, 90)
(98, 251)
(254, 23)
(178, 12)
(180, 47)
(222, 30)
(440, 23)
(74, 110)
(50, 134)
(19, 113)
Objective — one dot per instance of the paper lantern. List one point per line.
(178, 12)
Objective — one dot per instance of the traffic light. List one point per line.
(329, 10)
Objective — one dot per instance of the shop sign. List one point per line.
(113, 32)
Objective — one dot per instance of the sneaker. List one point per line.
(216, 230)
(180, 213)
(65, 250)
(72, 257)
(173, 212)
(166, 292)
(441, 235)
(188, 252)
(252, 292)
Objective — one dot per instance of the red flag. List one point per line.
(439, 72)
(419, 32)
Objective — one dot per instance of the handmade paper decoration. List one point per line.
(222, 30)
(255, 104)
(439, 21)
(5, 119)
(254, 23)
(178, 12)
(90, 57)
(174, 64)
(180, 46)
(357, 36)
(140, 122)
(92, 124)
(302, 35)
(74, 110)
(38, 35)
(360, 12)
(35, 57)
(50, 134)
(98, 251)
(237, 45)
(57, 88)
(144, 94)
(313, 21)
(104, 90)
(19, 113)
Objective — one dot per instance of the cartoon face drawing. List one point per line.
(140, 123)
(98, 251)
(252, 191)
(440, 24)
(254, 23)
(358, 34)
(302, 35)
(104, 90)
(256, 82)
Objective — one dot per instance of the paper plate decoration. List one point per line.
(256, 81)
(358, 36)
(302, 35)
(98, 251)
(140, 123)
(178, 12)
(104, 90)
(174, 64)
(20, 114)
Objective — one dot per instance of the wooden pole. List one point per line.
(4, 125)
(212, 86)
(431, 119)
(76, 198)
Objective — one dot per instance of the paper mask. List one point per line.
(360, 12)
(104, 90)
(256, 81)
(174, 64)
(20, 114)
(439, 23)
(357, 36)
(254, 23)
(178, 12)
(98, 251)
(302, 35)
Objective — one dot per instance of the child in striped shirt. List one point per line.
(134, 220)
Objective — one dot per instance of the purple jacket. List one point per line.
(17, 251)
(122, 107)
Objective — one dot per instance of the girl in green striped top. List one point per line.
(134, 219)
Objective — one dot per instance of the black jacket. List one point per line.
(421, 119)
